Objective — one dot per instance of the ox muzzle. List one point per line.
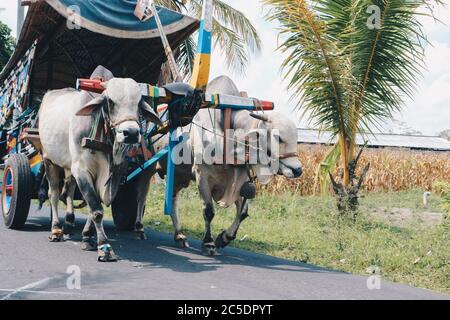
(128, 132)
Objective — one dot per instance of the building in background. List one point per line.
(378, 140)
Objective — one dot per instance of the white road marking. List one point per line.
(35, 291)
(27, 288)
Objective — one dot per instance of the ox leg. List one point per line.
(208, 246)
(226, 236)
(140, 232)
(142, 190)
(179, 237)
(53, 177)
(88, 236)
(85, 183)
(69, 222)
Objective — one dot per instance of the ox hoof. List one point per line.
(209, 248)
(181, 241)
(140, 235)
(56, 236)
(222, 240)
(106, 253)
(88, 244)
(68, 229)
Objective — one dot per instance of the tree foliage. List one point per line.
(345, 72)
(6, 44)
(233, 34)
(445, 134)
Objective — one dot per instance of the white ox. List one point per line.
(224, 183)
(62, 127)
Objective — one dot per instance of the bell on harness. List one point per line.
(185, 103)
(248, 190)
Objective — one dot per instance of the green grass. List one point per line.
(392, 232)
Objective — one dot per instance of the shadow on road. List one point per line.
(159, 251)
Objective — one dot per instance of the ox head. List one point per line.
(122, 106)
(284, 131)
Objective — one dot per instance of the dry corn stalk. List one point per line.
(391, 170)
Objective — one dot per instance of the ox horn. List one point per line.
(262, 117)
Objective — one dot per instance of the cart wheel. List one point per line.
(124, 208)
(16, 191)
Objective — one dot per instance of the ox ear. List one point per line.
(149, 113)
(92, 106)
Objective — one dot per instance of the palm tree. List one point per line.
(233, 34)
(349, 74)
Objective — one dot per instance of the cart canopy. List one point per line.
(116, 18)
(110, 35)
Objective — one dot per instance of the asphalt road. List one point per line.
(33, 268)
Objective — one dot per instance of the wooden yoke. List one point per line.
(200, 77)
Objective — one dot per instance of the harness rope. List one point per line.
(281, 156)
(223, 136)
(95, 127)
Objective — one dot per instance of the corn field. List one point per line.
(391, 170)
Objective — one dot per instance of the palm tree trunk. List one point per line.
(344, 158)
(352, 147)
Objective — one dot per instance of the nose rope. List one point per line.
(288, 155)
(126, 119)
(279, 158)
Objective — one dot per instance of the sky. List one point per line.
(428, 112)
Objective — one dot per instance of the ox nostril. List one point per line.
(297, 172)
(131, 135)
(135, 132)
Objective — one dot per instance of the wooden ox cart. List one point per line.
(61, 43)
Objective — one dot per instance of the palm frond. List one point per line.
(345, 73)
(238, 22)
(185, 56)
(232, 47)
(385, 62)
(174, 5)
(328, 163)
(233, 33)
(318, 71)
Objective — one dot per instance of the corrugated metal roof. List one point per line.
(379, 140)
